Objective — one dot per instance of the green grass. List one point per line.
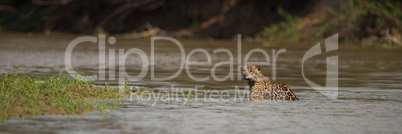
(23, 95)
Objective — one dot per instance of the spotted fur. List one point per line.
(262, 88)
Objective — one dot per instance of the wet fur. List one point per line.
(262, 88)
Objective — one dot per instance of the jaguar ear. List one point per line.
(259, 68)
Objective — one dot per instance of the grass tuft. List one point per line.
(23, 95)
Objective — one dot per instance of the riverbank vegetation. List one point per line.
(364, 22)
(368, 23)
(24, 95)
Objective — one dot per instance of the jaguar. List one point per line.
(262, 88)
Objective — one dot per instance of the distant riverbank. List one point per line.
(366, 23)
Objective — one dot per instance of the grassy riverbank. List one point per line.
(23, 95)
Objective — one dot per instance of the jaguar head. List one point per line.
(252, 73)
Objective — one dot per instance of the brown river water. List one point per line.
(369, 87)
